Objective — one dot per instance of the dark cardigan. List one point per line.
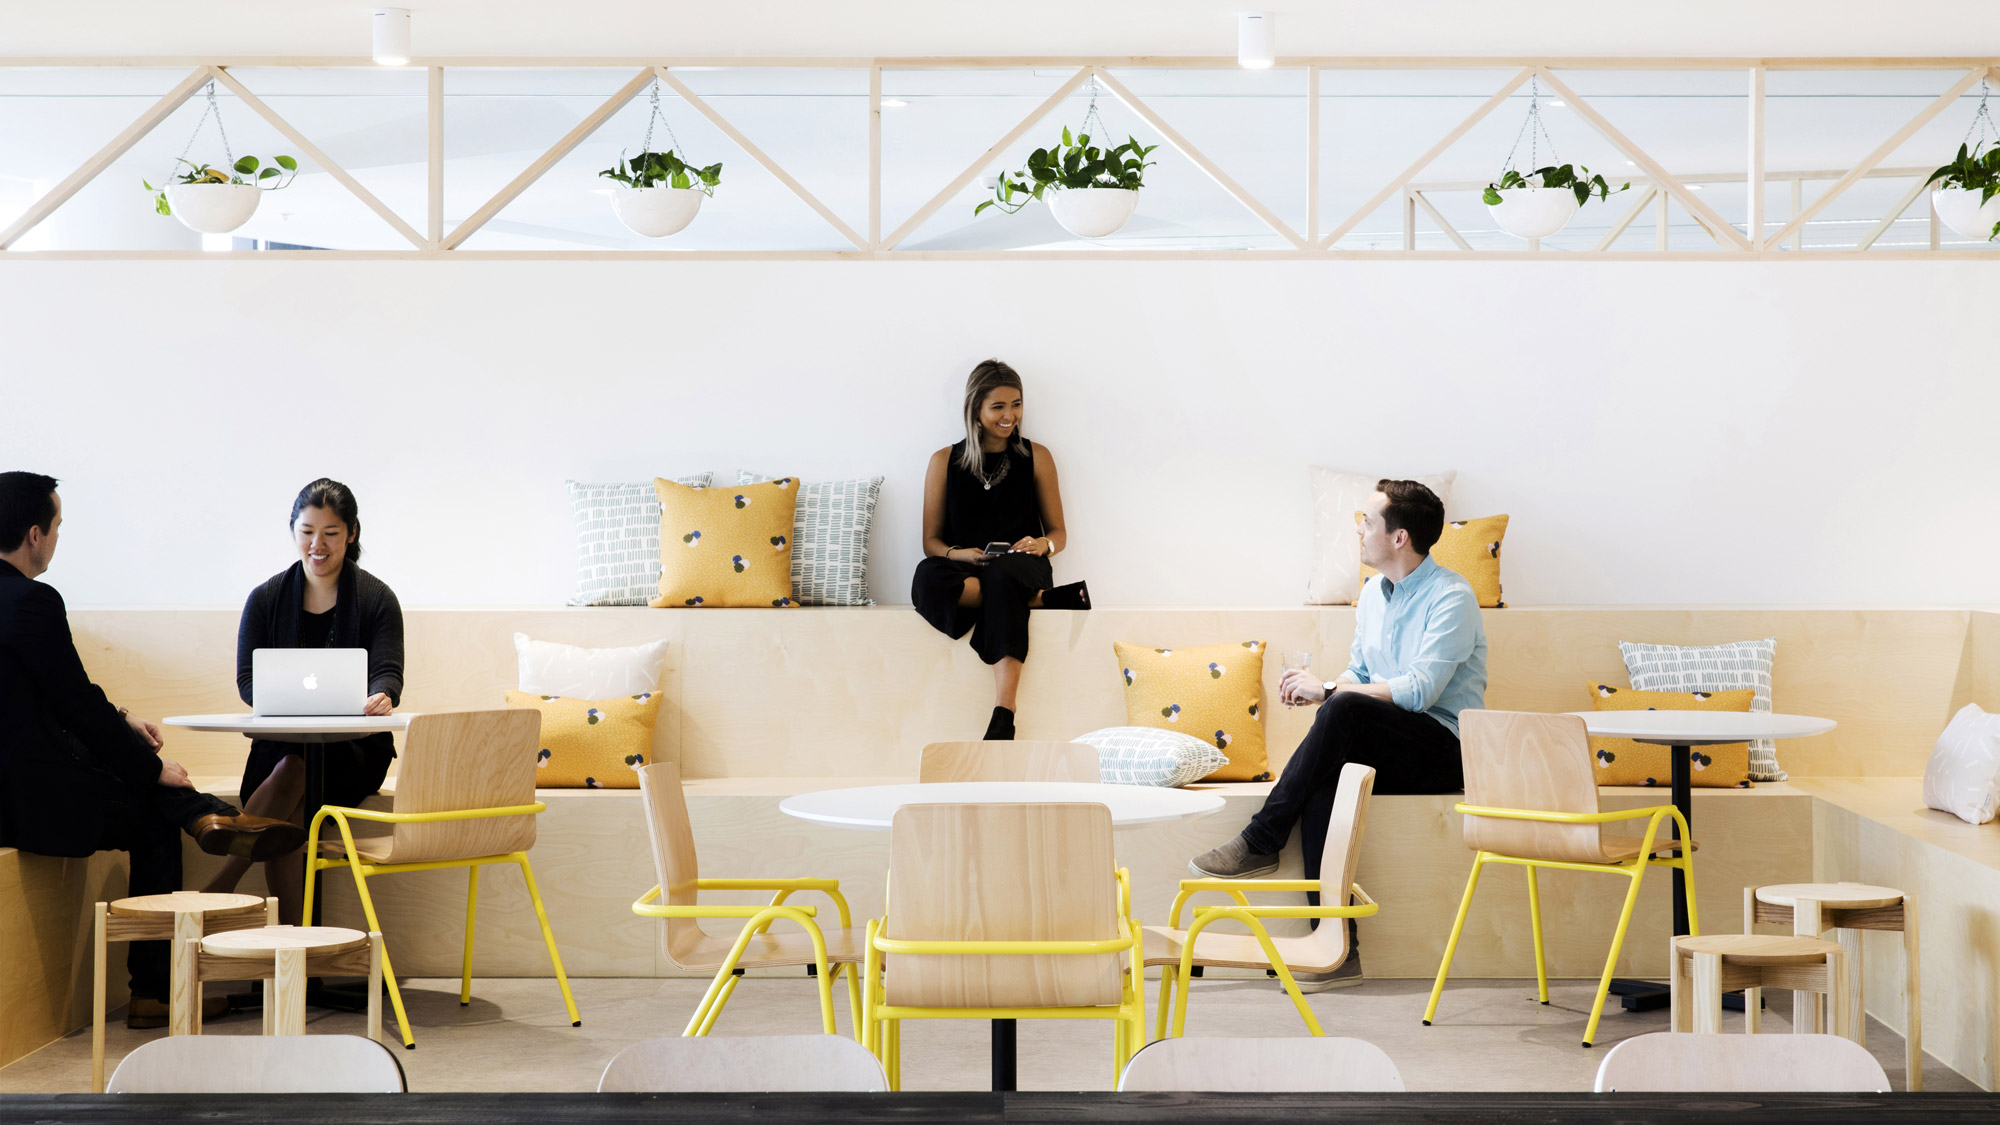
(367, 615)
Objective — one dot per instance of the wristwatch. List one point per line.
(1331, 686)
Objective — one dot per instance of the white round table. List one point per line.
(872, 807)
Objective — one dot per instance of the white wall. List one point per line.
(1682, 433)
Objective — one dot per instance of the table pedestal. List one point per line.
(1646, 995)
(1003, 1055)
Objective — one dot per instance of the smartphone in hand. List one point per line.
(997, 548)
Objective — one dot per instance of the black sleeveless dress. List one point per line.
(976, 514)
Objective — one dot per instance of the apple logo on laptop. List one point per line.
(311, 682)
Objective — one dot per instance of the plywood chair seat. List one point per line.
(1164, 946)
(1618, 849)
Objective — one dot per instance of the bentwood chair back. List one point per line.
(752, 1064)
(466, 760)
(1002, 872)
(1340, 861)
(672, 836)
(259, 1064)
(1518, 760)
(1663, 1062)
(1008, 761)
(1311, 1065)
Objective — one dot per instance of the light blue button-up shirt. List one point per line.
(1424, 638)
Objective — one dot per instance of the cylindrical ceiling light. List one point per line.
(1254, 41)
(392, 36)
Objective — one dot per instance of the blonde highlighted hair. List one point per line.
(987, 376)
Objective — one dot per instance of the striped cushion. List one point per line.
(1151, 756)
(1744, 664)
(618, 540)
(830, 533)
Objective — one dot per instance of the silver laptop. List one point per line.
(308, 681)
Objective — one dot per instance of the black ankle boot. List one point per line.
(1076, 595)
(1001, 728)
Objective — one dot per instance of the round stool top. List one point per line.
(1840, 896)
(269, 939)
(183, 902)
(1758, 949)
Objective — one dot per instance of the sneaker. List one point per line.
(1347, 976)
(1233, 860)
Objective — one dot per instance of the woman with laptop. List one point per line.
(320, 605)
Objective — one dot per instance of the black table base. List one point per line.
(1003, 1055)
(1651, 995)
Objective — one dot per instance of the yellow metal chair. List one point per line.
(1177, 951)
(1008, 761)
(1531, 800)
(690, 947)
(1003, 912)
(465, 797)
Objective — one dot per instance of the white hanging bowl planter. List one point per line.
(1960, 209)
(213, 208)
(1528, 212)
(1093, 212)
(655, 212)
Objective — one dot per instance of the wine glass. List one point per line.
(1296, 662)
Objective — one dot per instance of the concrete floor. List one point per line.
(1490, 1034)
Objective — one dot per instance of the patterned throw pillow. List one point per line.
(1622, 761)
(1212, 693)
(1470, 547)
(1336, 553)
(1148, 756)
(1744, 664)
(592, 743)
(830, 539)
(618, 540)
(726, 547)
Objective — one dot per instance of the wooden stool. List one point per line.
(173, 918)
(1848, 909)
(285, 956)
(1706, 967)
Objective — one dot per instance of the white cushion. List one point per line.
(1963, 777)
(548, 668)
(1336, 573)
(830, 533)
(1730, 667)
(1151, 756)
(618, 541)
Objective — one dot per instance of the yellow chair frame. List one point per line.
(758, 919)
(1633, 869)
(881, 1021)
(1251, 917)
(361, 868)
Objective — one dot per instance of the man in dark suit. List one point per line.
(78, 775)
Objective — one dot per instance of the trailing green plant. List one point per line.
(1072, 165)
(664, 169)
(1973, 170)
(1575, 177)
(246, 170)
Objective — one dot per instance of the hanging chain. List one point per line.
(211, 110)
(658, 118)
(1983, 122)
(1533, 129)
(1090, 115)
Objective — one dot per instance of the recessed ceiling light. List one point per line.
(392, 36)
(1631, 164)
(893, 103)
(1555, 103)
(1255, 44)
(1694, 187)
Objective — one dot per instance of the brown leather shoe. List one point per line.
(247, 837)
(145, 1013)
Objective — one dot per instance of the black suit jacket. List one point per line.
(59, 735)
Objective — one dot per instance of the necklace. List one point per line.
(987, 482)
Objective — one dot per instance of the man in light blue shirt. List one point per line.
(1419, 658)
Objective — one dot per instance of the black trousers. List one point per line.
(1411, 753)
(999, 623)
(148, 825)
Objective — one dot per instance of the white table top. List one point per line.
(871, 807)
(1700, 728)
(293, 728)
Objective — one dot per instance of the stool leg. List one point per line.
(1805, 1004)
(1705, 995)
(290, 992)
(100, 943)
(1677, 989)
(184, 991)
(1839, 1017)
(1753, 998)
(1857, 1007)
(1913, 1002)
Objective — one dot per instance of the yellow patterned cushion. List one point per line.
(1470, 547)
(1213, 693)
(1621, 761)
(592, 743)
(726, 546)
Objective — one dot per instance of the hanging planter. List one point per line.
(1967, 198)
(1537, 204)
(659, 193)
(1091, 191)
(215, 201)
